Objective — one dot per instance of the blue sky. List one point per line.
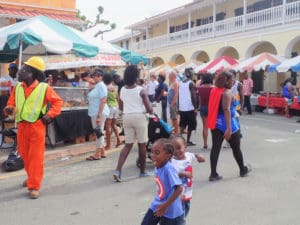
(125, 13)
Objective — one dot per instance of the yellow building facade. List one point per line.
(205, 29)
(12, 11)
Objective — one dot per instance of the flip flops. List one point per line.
(119, 144)
(91, 158)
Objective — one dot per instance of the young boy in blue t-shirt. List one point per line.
(166, 207)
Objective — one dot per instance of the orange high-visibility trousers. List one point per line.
(31, 146)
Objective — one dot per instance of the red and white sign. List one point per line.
(54, 62)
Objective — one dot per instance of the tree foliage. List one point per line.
(98, 20)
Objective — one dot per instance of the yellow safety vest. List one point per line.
(30, 109)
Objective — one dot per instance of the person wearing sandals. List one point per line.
(223, 124)
(98, 111)
(112, 102)
(134, 103)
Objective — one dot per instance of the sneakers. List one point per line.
(34, 194)
(215, 177)
(144, 175)
(189, 143)
(246, 171)
(226, 145)
(117, 176)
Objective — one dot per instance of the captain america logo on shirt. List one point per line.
(160, 188)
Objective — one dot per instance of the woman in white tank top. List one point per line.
(134, 103)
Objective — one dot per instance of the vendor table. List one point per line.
(277, 102)
(69, 125)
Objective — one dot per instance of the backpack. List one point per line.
(14, 162)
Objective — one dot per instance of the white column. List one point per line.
(283, 11)
(168, 31)
(147, 36)
(190, 26)
(244, 14)
(131, 40)
(214, 19)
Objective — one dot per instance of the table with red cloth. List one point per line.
(277, 102)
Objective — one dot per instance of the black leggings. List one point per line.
(217, 140)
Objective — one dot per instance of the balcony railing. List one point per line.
(264, 18)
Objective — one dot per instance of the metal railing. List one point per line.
(264, 18)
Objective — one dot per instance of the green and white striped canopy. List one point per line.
(39, 36)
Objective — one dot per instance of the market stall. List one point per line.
(39, 36)
(277, 102)
(259, 64)
(181, 68)
(219, 64)
(62, 48)
(73, 122)
(166, 67)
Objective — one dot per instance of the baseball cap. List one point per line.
(12, 65)
(98, 72)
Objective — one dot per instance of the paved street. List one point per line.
(76, 191)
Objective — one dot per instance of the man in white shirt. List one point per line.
(10, 80)
(152, 84)
(187, 105)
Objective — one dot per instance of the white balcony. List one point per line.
(260, 19)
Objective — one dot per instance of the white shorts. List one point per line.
(113, 112)
(288, 101)
(135, 128)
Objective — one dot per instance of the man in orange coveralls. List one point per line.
(28, 101)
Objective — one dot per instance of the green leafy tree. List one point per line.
(99, 20)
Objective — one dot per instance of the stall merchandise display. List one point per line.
(73, 123)
(277, 102)
(73, 97)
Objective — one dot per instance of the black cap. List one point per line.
(12, 65)
(98, 72)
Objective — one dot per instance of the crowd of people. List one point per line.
(219, 99)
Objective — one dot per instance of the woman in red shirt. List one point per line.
(203, 93)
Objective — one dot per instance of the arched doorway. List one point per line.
(228, 51)
(156, 61)
(293, 47)
(293, 50)
(200, 56)
(178, 59)
(260, 47)
(256, 49)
